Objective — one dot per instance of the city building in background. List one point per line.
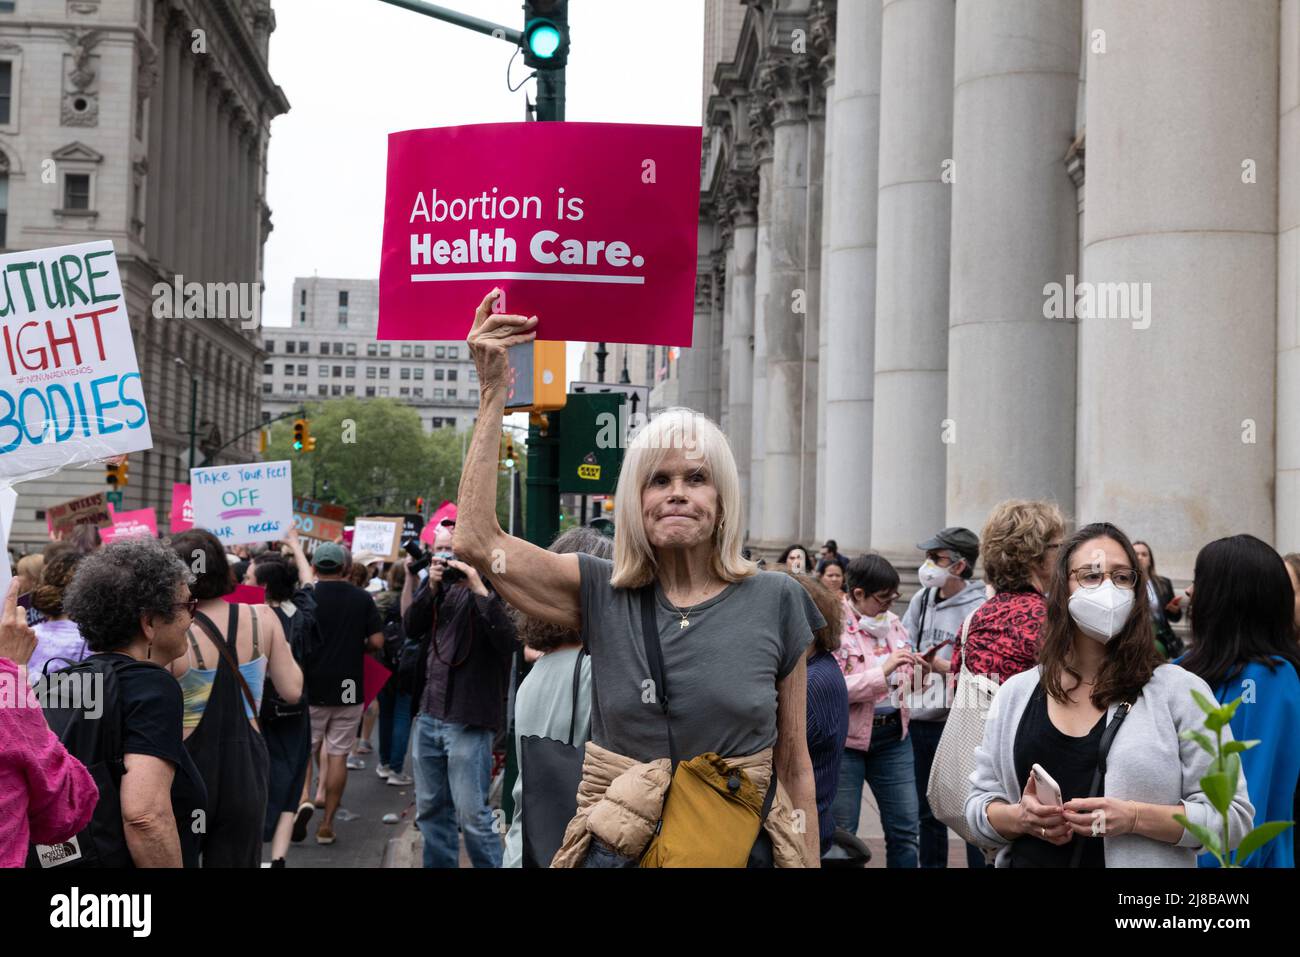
(959, 252)
(330, 352)
(146, 122)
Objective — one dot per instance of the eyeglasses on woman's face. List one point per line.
(1092, 577)
(190, 605)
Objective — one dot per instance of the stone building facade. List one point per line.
(959, 251)
(146, 122)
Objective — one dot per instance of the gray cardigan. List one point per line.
(1148, 762)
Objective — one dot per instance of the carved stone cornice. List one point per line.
(785, 80)
(740, 190)
(821, 39)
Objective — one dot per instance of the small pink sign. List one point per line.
(592, 227)
(182, 508)
(140, 523)
(247, 595)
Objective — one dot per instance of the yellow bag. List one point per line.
(711, 817)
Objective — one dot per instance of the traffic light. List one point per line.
(546, 34)
(511, 460)
(263, 439)
(419, 505)
(299, 434)
(116, 474)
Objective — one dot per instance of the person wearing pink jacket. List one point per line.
(877, 660)
(46, 795)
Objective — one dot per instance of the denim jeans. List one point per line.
(394, 728)
(925, 737)
(453, 767)
(887, 768)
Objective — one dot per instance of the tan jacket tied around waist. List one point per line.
(621, 800)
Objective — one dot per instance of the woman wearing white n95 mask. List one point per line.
(1098, 679)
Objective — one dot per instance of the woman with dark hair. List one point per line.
(876, 659)
(286, 726)
(1159, 594)
(58, 640)
(1098, 678)
(132, 602)
(831, 574)
(544, 703)
(221, 681)
(795, 559)
(1243, 645)
(828, 703)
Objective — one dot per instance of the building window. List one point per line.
(338, 372)
(370, 392)
(343, 308)
(266, 417)
(302, 388)
(437, 393)
(304, 347)
(288, 369)
(435, 422)
(370, 372)
(302, 318)
(383, 372)
(302, 297)
(419, 352)
(324, 348)
(266, 388)
(350, 372)
(419, 373)
(338, 348)
(302, 369)
(336, 390)
(406, 351)
(350, 348)
(451, 393)
(404, 373)
(384, 349)
(451, 375)
(322, 371)
(404, 391)
(288, 347)
(4, 208)
(6, 83)
(450, 421)
(349, 390)
(439, 375)
(473, 375)
(322, 390)
(270, 345)
(440, 352)
(372, 349)
(453, 352)
(268, 368)
(76, 191)
(419, 393)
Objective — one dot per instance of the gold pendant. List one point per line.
(684, 623)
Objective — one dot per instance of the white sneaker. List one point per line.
(355, 763)
(383, 770)
(399, 780)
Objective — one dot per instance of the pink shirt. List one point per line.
(861, 657)
(46, 795)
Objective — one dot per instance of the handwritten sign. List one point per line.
(182, 516)
(244, 503)
(380, 537)
(595, 234)
(70, 387)
(318, 520)
(89, 510)
(140, 523)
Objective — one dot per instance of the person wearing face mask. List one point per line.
(1099, 698)
(948, 593)
(877, 661)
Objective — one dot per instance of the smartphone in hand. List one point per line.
(1049, 792)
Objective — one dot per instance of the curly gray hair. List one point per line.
(117, 584)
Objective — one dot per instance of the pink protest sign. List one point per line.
(373, 678)
(140, 523)
(247, 595)
(591, 227)
(182, 507)
(446, 510)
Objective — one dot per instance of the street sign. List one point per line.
(638, 396)
(591, 452)
(113, 498)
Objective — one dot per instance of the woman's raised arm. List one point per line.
(539, 583)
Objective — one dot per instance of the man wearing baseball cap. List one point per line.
(948, 593)
(347, 622)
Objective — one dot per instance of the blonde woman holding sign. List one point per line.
(696, 656)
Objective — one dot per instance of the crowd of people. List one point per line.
(674, 704)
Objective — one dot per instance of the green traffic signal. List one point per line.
(544, 39)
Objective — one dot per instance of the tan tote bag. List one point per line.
(954, 759)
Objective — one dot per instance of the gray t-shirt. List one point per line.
(721, 671)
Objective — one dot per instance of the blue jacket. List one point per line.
(1269, 712)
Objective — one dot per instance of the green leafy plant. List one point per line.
(1220, 786)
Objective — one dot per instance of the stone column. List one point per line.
(158, 98)
(713, 393)
(786, 310)
(915, 206)
(1011, 371)
(183, 181)
(1288, 285)
(740, 379)
(760, 122)
(727, 227)
(198, 222)
(693, 368)
(851, 291)
(225, 264)
(810, 334)
(823, 298)
(1176, 393)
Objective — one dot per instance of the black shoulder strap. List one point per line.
(1099, 775)
(655, 658)
(920, 622)
(577, 678)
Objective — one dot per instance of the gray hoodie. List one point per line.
(942, 622)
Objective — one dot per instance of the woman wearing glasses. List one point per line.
(132, 602)
(1098, 679)
(877, 660)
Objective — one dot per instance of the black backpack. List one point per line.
(96, 743)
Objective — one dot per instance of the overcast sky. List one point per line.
(356, 70)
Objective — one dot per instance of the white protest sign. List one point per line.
(244, 503)
(377, 536)
(8, 500)
(70, 387)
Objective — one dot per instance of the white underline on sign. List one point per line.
(543, 276)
